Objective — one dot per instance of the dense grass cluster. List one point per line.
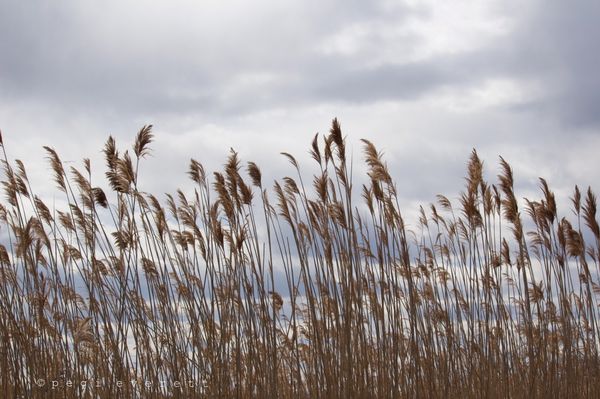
(296, 291)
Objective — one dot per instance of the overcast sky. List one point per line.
(426, 81)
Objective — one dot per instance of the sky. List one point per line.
(426, 81)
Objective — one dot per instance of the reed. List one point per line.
(300, 290)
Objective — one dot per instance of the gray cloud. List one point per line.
(264, 76)
(382, 83)
(134, 61)
(555, 45)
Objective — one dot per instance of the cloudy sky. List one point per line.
(426, 81)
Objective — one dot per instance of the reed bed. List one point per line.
(306, 289)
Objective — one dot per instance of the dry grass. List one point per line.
(299, 291)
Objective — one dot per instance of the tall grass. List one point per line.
(302, 290)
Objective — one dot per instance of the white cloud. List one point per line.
(494, 92)
(458, 26)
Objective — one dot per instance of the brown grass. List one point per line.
(301, 292)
